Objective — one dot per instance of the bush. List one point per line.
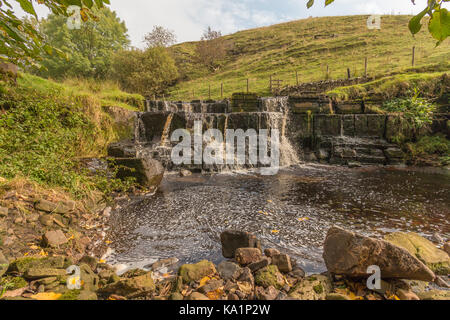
(418, 112)
(147, 72)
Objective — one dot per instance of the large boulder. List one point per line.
(195, 272)
(346, 253)
(147, 172)
(232, 240)
(437, 260)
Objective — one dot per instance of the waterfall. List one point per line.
(139, 134)
(166, 130)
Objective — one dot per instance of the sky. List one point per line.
(189, 18)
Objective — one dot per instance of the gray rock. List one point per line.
(61, 207)
(210, 286)
(229, 270)
(147, 172)
(246, 256)
(346, 253)
(264, 262)
(232, 240)
(54, 238)
(268, 294)
(283, 262)
(270, 252)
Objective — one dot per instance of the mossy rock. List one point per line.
(24, 264)
(434, 295)
(13, 283)
(130, 287)
(195, 272)
(270, 276)
(316, 287)
(437, 260)
(81, 295)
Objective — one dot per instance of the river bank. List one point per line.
(50, 233)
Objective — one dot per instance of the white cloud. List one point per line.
(189, 18)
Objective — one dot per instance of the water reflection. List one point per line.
(291, 211)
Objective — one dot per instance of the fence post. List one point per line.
(221, 90)
(248, 89)
(349, 74)
(270, 84)
(209, 92)
(328, 72)
(296, 77)
(366, 62)
(413, 56)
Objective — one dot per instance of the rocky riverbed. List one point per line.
(248, 273)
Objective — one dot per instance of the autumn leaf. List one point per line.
(46, 296)
(204, 281)
(275, 231)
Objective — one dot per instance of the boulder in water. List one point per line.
(232, 240)
(346, 253)
(147, 172)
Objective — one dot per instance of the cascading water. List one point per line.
(273, 114)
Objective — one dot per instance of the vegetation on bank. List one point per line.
(46, 128)
(307, 46)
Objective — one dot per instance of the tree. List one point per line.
(20, 42)
(438, 25)
(160, 37)
(148, 72)
(87, 50)
(211, 49)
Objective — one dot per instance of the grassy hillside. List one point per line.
(308, 46)
(47, 127)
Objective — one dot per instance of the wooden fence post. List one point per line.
(248, 88)
(209, 92)
(221, 90)
(270, 84)
(349, 74)
(296, 77)
(366, 62)
(328, 72)
(413, 56)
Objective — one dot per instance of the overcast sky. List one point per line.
(188, 18)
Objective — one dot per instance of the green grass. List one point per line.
(45, 127)
(283, 49)
(430, 85)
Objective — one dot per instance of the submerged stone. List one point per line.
(232, 240)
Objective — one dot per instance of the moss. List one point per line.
(70, 295)
(13, 283)
(318, 289)
(269, 276)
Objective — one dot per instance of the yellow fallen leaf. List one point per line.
(204, 281)
(43, 253)
(303, 219)
(270, 201)
(108, 242)
(215, 295)
(71, 238)
(102, 261)
(275, 231)
(46, 296)
(26, 254)
(34, 247)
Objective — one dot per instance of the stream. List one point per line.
(291, 211)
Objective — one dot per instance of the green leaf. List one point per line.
(439, 25)
(414, 23)
(310, 3)
(27, 6)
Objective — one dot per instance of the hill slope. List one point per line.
(307, 46)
